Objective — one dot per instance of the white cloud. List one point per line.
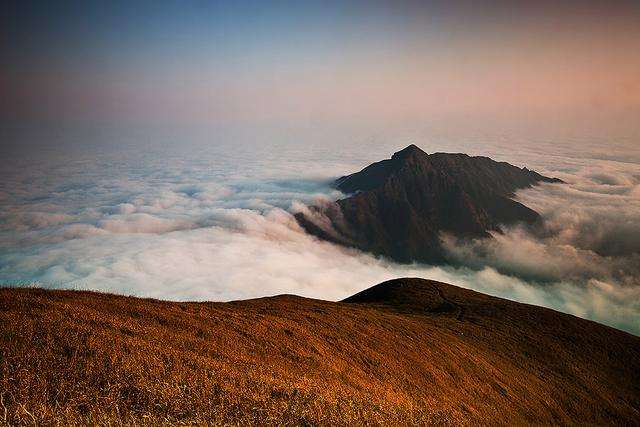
(219, 226)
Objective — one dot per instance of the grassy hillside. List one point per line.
(408, 351)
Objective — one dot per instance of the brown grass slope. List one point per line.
(409, 351)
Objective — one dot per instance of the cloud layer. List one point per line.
(216, 224)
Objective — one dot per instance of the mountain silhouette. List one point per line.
(400, 207)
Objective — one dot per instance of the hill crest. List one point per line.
(407, 351)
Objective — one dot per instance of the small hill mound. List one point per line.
(414, 295)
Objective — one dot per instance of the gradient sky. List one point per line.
(284, 64)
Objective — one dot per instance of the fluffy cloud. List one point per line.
(220, 226)
(587, 232)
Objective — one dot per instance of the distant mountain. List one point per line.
(405, 352)
(399, 207)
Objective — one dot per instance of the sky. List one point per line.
(571, 68)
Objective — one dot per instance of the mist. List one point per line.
(214, 222)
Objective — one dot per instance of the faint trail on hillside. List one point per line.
(461, 309)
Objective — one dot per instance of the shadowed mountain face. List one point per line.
(404, 352)
(399, 207)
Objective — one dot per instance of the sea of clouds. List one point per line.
(215, 223)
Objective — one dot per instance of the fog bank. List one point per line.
(216, 223)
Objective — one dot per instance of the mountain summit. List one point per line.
(400, 206)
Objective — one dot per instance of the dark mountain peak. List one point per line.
(376, 174)
(411, 150)
(399, 207)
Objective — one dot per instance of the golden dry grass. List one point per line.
(406, 352)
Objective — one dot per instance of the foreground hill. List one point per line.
(400, 206)
(408, 351)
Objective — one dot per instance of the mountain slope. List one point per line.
(400, 206)
(407, 351)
